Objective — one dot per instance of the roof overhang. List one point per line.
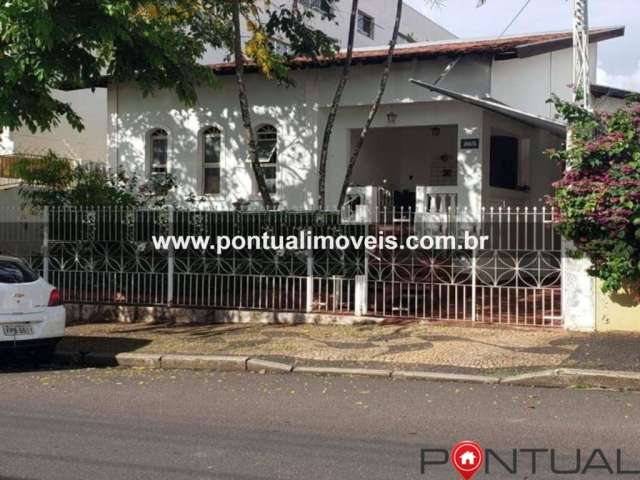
(539, 48)
(599, 91)
(500, 48)
(491, 105)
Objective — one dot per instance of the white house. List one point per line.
(375, 25)
(476, 139)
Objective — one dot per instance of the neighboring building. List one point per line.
(88, 145)
(610, 99)
(375, 23)
(476, 141)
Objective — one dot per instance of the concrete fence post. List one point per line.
(578, 292)
(171, 256)
(309, 299)
(361, 295)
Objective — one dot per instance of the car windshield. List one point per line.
(16, 272)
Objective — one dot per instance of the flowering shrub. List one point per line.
(598, 198)
(53, 181)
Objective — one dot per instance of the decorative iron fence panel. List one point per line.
(515, 279)
(106, 256)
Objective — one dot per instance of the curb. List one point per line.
(560, 377)
(445, 377)
(223, 363)
(257, 365)
(526, 378)
(351, 372)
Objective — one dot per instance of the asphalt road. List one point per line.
(134, 424)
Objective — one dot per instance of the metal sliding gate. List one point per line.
(516, 279)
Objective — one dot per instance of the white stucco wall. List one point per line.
(299, 113)
(608, 104)
(528, 83)
(6, 143)
(402, 158)
(86, 146)
(90, 144)
(420, 27)
(537, 171)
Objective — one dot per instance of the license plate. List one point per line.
(17, 330)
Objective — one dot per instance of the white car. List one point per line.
(32, 317)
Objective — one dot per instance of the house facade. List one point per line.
(375, 26)
(477, 140)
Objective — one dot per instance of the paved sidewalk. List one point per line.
(434, 348)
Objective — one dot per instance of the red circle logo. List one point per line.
(467, 457)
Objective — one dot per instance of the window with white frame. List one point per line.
(366, 24)
(211, 155)
(267, 137)
(159, 152)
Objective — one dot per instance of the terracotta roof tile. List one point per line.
(493, 46)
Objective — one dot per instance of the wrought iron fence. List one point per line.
(515, 279)
(105, 255)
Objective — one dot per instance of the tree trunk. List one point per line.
(328, 129)
(246, 112)
(374, 108)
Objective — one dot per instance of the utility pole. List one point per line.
(581, 68)
(578, 288)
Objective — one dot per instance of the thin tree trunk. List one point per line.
(328, 129)
(294, 7)
(374, 108)
(246, 112)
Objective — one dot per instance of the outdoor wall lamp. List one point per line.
(392, 117)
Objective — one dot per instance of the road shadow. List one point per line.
(25, 361)
(86, 344)
(607, 351)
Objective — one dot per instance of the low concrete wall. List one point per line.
(618, 312)
(85, 313)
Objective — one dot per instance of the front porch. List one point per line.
(428, 173)
(405, 171)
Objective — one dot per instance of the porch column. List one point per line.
(470, 148)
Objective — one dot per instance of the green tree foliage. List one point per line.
(157, 44)
(47, 45)
(598, 198)
(63, 44)
(277, 36)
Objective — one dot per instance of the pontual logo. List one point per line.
(468, 458)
